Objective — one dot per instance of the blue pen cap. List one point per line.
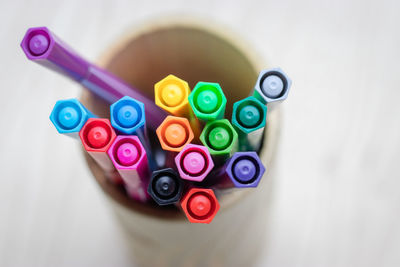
(272, 85)
(127, 115)
(69, 116)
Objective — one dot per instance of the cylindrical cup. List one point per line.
(192, 51)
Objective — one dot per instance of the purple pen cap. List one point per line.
(37, 41)
(245, 169)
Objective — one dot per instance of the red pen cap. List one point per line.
(200, 205)
(97, 135)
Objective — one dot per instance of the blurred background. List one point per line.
(336, 195)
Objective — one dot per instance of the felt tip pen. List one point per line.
(171, 94)
(200, 205)
(127, 116)
(96, 136)
(272, 85)
(130, 159)
(68, 117)
(208, 102)
(242, 170)
(221, 140)
(45, 48)
(194, 163)
(249, 119)
(174, 133)
(165, 187)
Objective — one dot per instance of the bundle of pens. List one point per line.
(175, 150)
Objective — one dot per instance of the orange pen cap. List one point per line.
(174, 133)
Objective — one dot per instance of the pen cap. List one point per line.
(127, 115)
(194, 163)
(174, 133)
(219, 137)
(42, 46)
(208, 101)
(200, 205)
(165, 186)
(97, 135)
(171, 94)
(272, 85)
(249, 115)
(192, 51)
(127, 153)
(245, 169)
(68, 116)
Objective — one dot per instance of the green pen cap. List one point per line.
(219, 137)
(208, 102)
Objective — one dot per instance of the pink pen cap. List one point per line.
(194, 163)
(130, 159)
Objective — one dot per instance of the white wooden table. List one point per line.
(336, 199)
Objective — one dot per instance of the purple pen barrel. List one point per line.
(45, 48)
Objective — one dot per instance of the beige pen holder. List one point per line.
(193, 51)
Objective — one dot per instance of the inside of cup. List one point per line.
(191, 54)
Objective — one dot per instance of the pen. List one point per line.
(68, 117)
(208, 102)
(127, 116)
(165, 186)
(272, 85)
(200, 205)
(221, 140)
(45, 48)
(194, 162)
(248, 119)
(129, 158)
(171, 94)
(174, 133)
(243, 169)
(96, 136)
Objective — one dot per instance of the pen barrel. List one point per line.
(195, 125)
(142, 133)
(59, 56)
(111, 88)
(170, 159)
(250, 141)
(192, 51)
(103, 160)
(136, 182)
(45, 48)
(194, 122)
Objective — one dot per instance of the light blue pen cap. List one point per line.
(272, 85)
(69, 116)
(127, 115)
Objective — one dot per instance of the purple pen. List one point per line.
(130, 159)
(45, 48)
(244, 169)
